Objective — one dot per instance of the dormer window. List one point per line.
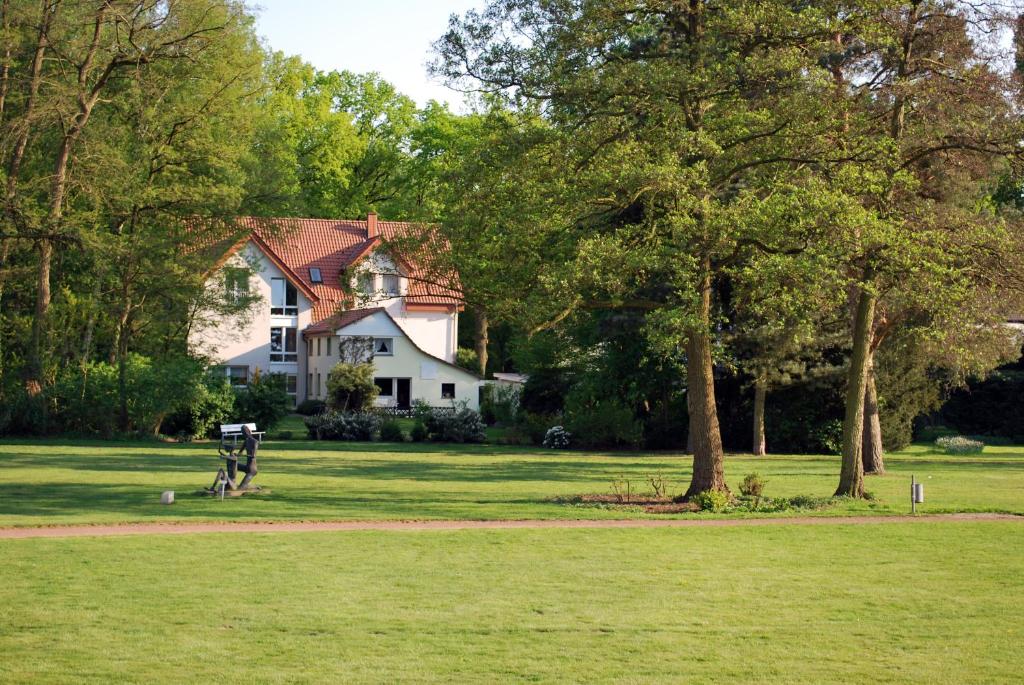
(314, 275)
(284, 299)
(383, 346)
(392, 285)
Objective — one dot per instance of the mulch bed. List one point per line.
(649, 503)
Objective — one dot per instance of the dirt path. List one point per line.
(316, 526)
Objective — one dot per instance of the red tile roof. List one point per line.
(332, 246)
(340, 320)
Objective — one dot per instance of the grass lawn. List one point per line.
(59, 481)
(933, 602)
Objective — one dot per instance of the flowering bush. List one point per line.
(557, 438)
(957, 444)
(342, 426)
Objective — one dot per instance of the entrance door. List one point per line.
(402, 393)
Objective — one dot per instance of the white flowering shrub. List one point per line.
(957, 444)
(557, 438)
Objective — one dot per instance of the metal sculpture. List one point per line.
(231, 450)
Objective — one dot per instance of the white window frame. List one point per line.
(390, 347)
(447, 397)
(284, 355)
(392, 280)
(280, 289)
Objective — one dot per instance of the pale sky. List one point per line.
(391, 37)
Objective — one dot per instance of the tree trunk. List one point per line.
(851, 477)
(481, 332)
(760, 390)
(708, 457)
(123, 324)
(872, 455)
(689, 429)
(39, 321)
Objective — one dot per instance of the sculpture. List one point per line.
(230, 453)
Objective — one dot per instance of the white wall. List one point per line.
(406, 362)
(233, 343)
(435, 332)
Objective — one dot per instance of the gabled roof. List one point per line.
(332, 246)
(340, 320)
(348, 318)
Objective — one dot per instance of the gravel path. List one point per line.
(317, 526)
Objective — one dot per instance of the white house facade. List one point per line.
(321, 284)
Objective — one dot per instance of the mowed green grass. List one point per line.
(66, 482)
(921, 602)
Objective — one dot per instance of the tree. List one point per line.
(916, 87)
(679, 119)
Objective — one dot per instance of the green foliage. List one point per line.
(310, 407)
(545, 391)
(213, 404)
(752, 485)
(500, 404)
(419, 432)
(601, 422)
(391, 431)
(988, 407)
(458, 425)
(557, 438)
(711, 500)
(348, 426)
(467, 359)
(264, 401)
(350, 387)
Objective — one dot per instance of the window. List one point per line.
(366, 283)
(291, 386)
(386, 386)
(392, 284)
(236, 284)
(447, 391)
(328, 347)
(239, 376)
(318, 384)
(284, 299)
(383, 346)
(315, 276)
(309, 385)
(318, 347)
(282, 345)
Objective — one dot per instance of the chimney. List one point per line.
(371, 225)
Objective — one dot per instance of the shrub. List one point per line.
(545, 391)
(284, 435)
(711, 500)
(264, 401)
(988, 407)
(461, 425)
(350, 426)
(311, 407)
(557, 438)
(419, 432)
(956, 444)
(500, 404)
(391, 431)
(752, 485)
(87, 398)
(214, 404)
(350, 387)
(601, 422)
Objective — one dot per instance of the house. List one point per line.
(322, 285)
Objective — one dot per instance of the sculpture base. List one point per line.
(255, 490)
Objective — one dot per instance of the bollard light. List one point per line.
(167, 497)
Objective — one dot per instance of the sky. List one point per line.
(391, 37)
